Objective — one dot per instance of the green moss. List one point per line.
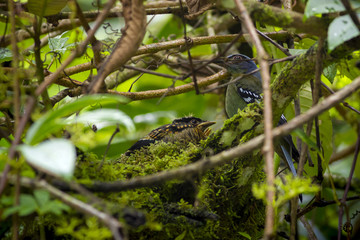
(262, 12)
(216, 205)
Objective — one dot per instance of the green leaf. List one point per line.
(330, 72)
(104, 117)
(52, 122)
(10, 211)
(56, 157)
(181, 236)
(42, 197)
(45, 7)
(227, 138)
(326, 131)
(244, 234)
(297, 51)
(55, 207)
(28, 205)
(7, 200)
(301, 134)
(341, 30)
(314, 7)
(5, 55)
(57, 44)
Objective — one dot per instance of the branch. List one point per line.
(22, 34)
(275, 16)
(114, 225)
(346, 191)
(79, 50)
(222, 75)
(156, 47)
(227, 156)
(268, 148)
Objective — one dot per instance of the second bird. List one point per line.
(247, 90)
(183, 130)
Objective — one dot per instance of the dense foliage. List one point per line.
(73, 101)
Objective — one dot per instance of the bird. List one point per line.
(248, 89)
(183, 130)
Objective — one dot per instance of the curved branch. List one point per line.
(268, 148)
(157, 47)
(222, 75)
(275, 16)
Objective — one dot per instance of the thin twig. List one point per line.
(346, 104)
(233, 41)
(96, 45)
(293, 218)
(222, 75)
(343, 200)
(308, 227)
(284, 50)
(15, 218)
(304, 147)
(79, 50)
(157, 47)
(143, 70)
(17, 139)
(342, 154)
(114, 225)
(188, 44)
(321, 203)
(39, 63)
(108, 146)
(316, 96)
(268, 148)
(17, 103)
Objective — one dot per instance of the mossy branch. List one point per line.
(275, 16)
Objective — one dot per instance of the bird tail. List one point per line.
(290, 164)
(289, 161)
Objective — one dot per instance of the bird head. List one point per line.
(192, 122)
(238, 63)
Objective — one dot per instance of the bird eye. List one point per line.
(193, 121)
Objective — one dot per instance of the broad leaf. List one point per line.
(314, 7)
(341, 30)
(104, 117)
(42, 197)
(325, 126)
(28, 205)
(56, 157)
(52, 121)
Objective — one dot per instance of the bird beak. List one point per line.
(205, 125)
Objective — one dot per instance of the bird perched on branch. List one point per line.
(184, 130)
(247, 89)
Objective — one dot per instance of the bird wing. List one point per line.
(159, 133)
(233, 101)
